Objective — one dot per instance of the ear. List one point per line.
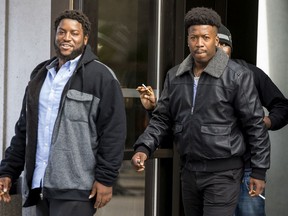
(217, 40)
(86, 39)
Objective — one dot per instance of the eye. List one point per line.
(75, 33)
(60, 32)
(206, 38)
(192, 37)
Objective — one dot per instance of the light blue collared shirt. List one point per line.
(49, 101)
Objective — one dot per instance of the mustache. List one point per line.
(199, 51)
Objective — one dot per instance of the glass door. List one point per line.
(123, 38)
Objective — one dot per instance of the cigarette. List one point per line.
(260, 195)
(146, 88)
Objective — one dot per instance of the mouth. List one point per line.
(199, 52)
(65, 46)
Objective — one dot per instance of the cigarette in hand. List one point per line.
(146, 88)
(260, 195)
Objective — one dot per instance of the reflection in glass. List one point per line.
(122, 44)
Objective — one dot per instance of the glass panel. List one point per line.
(128, 194)
(123, 29)
(124, 42)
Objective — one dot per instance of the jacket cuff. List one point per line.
(273, 125)
(149, 112)
(144, 149)
(259, 173)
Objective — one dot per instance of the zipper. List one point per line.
(195, 80)
(41, 193)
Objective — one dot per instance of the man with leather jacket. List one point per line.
(209, 102)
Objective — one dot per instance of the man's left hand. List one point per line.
(256, 186)
(103, 194)
(267, 122)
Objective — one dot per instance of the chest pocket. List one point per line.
(77, 106)
(216, 141)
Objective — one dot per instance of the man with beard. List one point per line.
(70, 136)
(203, 101)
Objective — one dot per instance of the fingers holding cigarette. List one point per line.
(5, 196)
(253, 194)
(147, 89)
(256, 187)
(138, 161)
(2, 193)
(147, 97)
(5, 185)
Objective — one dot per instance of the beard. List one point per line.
(72, 55)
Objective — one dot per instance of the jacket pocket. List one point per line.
(178, 136)
(216, 141)
(62, 171)
(77, 105)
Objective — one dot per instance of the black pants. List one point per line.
(210, 193)
(54, 207)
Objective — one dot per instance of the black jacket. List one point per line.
(209, 133)
(88, 137)
(270, 96)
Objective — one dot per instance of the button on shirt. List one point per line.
(49, 101)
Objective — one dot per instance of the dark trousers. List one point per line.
(54, 207)
(210, 193)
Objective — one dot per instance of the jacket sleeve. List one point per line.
(159, 124)
(13, 163)
(271, 98)
(111, 124)
(251, 113)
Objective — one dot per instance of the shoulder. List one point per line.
(98, 68)
(257, 72)
(40, 67)
(237, 67)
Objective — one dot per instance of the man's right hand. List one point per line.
(147, 97)
(5, 185)
(138, 161)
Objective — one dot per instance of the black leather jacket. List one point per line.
(209, 134)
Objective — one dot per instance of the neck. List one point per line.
(198, 69)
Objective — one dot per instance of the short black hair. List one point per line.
(75, 15)
(202, 16)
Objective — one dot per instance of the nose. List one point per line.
(199, 42)
(67, 36)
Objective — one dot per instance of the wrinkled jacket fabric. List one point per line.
(88, 137)
(209, 133)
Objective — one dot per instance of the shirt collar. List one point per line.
(68, 64)
(214, 68)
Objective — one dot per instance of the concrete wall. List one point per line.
(2, 73)
(24, 42)
(273, 59)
